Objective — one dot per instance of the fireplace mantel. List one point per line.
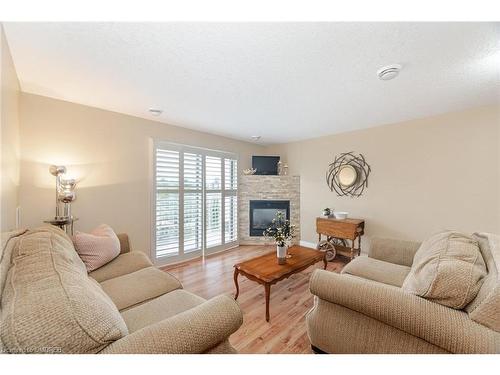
(267, 188)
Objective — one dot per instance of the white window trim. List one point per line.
(166, 260)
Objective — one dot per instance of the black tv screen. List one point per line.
(265, 165)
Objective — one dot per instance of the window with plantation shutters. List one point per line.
(213, 184)
(231, 174)
(230, 200)
(193, 202)
(231, 218)
(167, 202)
(195, 207)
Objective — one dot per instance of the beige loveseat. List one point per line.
(49, 304)
(364, 309)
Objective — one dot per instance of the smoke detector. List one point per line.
(389, 72)
(155, 111)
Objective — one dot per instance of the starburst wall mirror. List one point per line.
(348, 174)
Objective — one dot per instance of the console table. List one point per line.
(341, 229)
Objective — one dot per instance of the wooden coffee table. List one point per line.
(265, 269)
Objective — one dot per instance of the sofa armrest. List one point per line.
(193, 331)
(442, 326)
(393, 251)
(124, 243)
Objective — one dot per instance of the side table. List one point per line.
(65, 223)
(340, 229)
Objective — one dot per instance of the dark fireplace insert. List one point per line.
(263, 212)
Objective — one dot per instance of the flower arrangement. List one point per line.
(280, 230)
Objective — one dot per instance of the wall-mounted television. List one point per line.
(265, 165)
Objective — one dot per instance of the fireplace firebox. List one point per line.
(262, 212)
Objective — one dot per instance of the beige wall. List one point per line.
(108, 153)
(427, 175)
(9, 136)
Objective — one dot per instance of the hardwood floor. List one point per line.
(290, 300)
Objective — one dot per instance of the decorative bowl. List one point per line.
(340, 215)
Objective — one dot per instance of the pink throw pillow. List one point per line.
(98, 247)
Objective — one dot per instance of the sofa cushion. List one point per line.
(50, 304)
(393, 250)
(160, 308)
(98, 247)
(124, 242)
(139, 286)
(121, 265)
(448, 268)
(377, 270)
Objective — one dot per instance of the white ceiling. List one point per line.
(282, 81)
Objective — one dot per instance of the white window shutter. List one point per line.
(195, 201)
(231, 219)
(167, 202)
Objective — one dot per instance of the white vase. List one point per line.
(281, 252)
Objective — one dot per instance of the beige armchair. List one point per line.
(364, 309)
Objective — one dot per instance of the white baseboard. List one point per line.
(312, 245)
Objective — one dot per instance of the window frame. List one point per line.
(181, 148)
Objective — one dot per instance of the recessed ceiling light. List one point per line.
(155, 111)
(255, 137)
(389, 72)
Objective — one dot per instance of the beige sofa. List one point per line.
(364, 309)
(49, 304)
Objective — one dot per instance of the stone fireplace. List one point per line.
(260, 197)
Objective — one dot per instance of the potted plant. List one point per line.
(327, 212)
(282, 232)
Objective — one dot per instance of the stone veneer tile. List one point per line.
(267, 188)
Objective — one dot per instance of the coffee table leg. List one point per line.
(268, 294)
(325, 262)
(236, 273)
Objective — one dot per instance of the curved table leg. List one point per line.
(268, 294)
(325, 262)
(236, 273)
